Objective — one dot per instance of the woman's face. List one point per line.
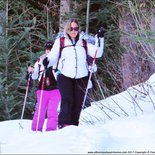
(74, 30)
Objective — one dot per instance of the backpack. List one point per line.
(84, 43)
(50, 82)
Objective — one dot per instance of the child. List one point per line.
(48, 96)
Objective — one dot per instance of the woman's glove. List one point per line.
(99, 37)
(100, 32)
(92, 68)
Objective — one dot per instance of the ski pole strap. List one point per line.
(94, 59)
(90, 75)
(43, 80)
(29, 79)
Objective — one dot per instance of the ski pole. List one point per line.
(104, 96)
(41, 96)
(99, 86)
(100, 34)
(27, 88)
(90, 75)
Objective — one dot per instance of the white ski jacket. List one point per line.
(38, 68)
(73, 60)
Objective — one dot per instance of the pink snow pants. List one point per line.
(49, 104)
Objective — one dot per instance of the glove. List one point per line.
(93, 68)
(100, 32)
(30, 69)
(28, 75)
(45, 62)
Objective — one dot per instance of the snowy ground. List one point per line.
(121, 124)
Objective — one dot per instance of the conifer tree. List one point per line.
(25, 33)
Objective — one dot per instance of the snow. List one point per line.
(120, 124)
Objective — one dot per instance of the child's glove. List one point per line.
(45, 62)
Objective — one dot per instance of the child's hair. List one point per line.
(48, 45)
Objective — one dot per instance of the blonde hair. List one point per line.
(68, 24)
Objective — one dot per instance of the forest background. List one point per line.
(25, 26)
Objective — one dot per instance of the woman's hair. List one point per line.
(68, 24)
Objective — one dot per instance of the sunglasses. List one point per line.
(49, 44)
(74, 28)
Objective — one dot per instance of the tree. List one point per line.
(87, 17)
(65, 8)
(25, 34)
(138, 60)
(26, 25)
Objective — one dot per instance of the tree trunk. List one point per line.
(2, 28)
(87, 18)
(152, 27)
(65, 7)
(137, 65)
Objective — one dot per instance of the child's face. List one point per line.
(47, 51)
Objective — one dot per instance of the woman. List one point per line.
(72, 71)
(48, 95)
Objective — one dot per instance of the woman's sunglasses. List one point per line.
(74, 28)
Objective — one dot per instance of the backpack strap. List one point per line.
(62, 45)
(62, 41)
(84, 43)
(89, 58)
